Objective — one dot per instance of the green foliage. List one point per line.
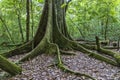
(9, 11)
(85, 19)
(90, 17)
(63, 5)
(40, 1)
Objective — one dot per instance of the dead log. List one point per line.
(9, 67)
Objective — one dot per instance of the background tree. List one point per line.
(27, 20)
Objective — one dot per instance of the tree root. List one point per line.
(53, 48)
(105, 51)
(64, 68)
(74, 45)
(19, 50)
(67, 52)
(94, 55)
(36, 51)
(93, 47)
(115, 55)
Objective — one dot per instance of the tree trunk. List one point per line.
(27, 20)
(6, 27)
(19, 24)
(106, 28)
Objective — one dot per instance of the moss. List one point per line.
(67, 52)
(107, 52)
(9, 67)
(91, 47)
(19, 50)
(103, 58)
(117, 57)
(94, 55)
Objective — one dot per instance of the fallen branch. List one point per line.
(9, 67)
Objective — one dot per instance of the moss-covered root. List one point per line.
(61, 66)
(94, 55)
(100, 49)
(9, 67)
(67, 52)
(87, 46)
(117, 58)
(39, 49)
(64, 68)
(94, 47)
(19, 50)
(115, 55)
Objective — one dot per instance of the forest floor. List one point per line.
(39, 69)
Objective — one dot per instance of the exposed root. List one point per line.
(54, 64)
(115, 55)
(67, 52)
(19, 50)
(78, 47)
(53, 48)
(36, 51)
(74, 45)
(64, 68)
(95, 55)
(105, 51)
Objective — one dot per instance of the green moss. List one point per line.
(9, 67)
(117, 57)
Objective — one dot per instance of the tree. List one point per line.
(18, 13)
(27, 20)
(52, 37)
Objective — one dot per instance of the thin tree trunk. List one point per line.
(32, 17)
(67, 3)
(32, 12)
(27, 20)
(6, 27)
(78, 28)
(20, 26)
(106, 28)
(18, 13)
(118, 43)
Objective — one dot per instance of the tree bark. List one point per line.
(27, 20)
